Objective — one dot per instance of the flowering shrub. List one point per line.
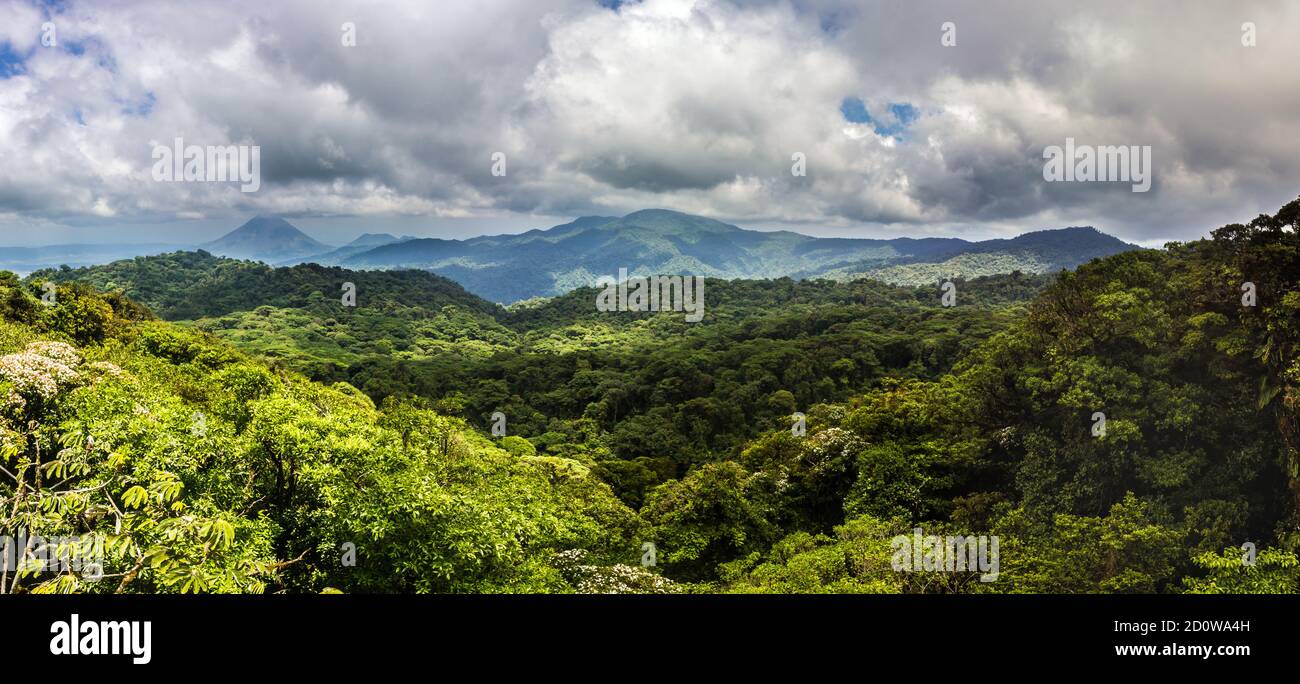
(39, 371)
(827, 449)
(616, 579)
(64, 353)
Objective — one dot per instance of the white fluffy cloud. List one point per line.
(696, 105)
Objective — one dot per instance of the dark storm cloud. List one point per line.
(697, 105)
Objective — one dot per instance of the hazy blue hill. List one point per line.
(548, 235)
(1042, 251)
(421, 250)
(375, 240)
(509, 268)
(1068, 247)
(266, 238)
(364, 243)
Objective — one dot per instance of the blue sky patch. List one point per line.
(11, 63)
(854, 110)
(897, 117)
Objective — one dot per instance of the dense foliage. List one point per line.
(206, 471)
(640, 398)
(1126, 427)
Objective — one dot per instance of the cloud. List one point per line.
(696, 105)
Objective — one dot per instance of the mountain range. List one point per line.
(549, 262)
(508, 268)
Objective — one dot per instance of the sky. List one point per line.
(607, 107)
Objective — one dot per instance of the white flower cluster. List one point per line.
(833, 441)
(622, 579)
(616, 579)
(64, 353)
(39, 371)
(824, 449)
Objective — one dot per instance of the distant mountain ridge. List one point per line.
(1042, 251)
(364, 243)
(553, 261)
(508, 268)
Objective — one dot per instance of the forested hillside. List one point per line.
(297, 313)
(641, 398)
(621, 429)
(1199, 454)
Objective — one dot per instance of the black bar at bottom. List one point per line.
(717, 633)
